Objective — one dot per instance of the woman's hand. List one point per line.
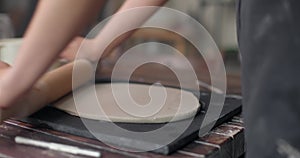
(85, 47)
(3, 67)
(69, 53)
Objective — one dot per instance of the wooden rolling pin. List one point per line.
(52, 86)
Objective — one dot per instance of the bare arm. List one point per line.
(119, 22)
(55, 23)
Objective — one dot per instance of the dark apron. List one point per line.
(269, 42)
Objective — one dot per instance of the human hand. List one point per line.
(85, 47)
(3, 67)
(72, 48)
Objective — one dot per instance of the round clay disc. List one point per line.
(115, 106)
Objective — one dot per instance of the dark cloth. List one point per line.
(269, 42)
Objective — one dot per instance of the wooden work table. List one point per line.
(226, 140)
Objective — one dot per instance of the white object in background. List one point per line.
(58, 147)
(9, 49)
(6, 31)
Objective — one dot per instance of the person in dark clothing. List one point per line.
(269, 42)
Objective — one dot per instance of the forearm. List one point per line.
(55, 23)
(118, 23)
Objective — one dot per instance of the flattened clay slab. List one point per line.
(165, 104)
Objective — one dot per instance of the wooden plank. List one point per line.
(9, 147)
(218, 143)
(202, 150)
(236, 133)
(224, 143)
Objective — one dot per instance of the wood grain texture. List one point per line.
(225, 138)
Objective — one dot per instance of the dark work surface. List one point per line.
(52, 118)
(224, 141)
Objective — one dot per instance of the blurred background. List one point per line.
(217, 16)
